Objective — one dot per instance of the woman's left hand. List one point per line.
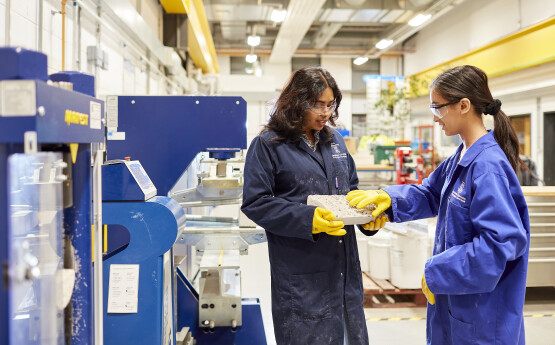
(376, 224)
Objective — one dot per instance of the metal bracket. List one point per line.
(30, 142)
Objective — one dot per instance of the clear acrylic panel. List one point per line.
(36, 248)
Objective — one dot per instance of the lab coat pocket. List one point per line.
(341, 175)
(462, 333)
(458, 228)
(310, 295)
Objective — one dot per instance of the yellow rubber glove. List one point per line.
(363, 198)
(323, 221)
(377, 224)
(429, 295)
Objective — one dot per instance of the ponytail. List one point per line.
(506, 138)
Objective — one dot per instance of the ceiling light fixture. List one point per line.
(384, 43)
(360, 60)
(278, 16)
(251, 58)
(253, 41)
(419, 19)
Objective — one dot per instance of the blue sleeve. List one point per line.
(477, 266)
(410, 202)
(274, 214)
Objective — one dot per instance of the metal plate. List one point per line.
(18, 98)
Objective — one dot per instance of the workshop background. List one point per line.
(383, 55)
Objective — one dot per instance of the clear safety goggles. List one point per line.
(439, 110)
(321, 109)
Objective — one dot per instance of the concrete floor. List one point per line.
(539, 330)
(256, 283)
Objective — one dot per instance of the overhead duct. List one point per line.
(325, 34)
(233, 30)
(300, 15)
(200, 43)
(175, 32)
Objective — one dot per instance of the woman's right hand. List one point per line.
(323, 221)
(363, 198)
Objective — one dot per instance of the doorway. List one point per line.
(521, 125)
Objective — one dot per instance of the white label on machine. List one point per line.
(96, 115)
(123, 289)
(112, 111)
(18, 98)
(116, 135)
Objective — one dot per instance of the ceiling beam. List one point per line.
(325, 34)
(404, 31)
(300, 15)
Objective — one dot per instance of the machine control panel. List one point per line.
(126, 180)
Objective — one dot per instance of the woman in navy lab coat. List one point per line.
(316, 278)
(476, 279)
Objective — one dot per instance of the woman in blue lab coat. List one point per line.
(476, 279)
(316, 278)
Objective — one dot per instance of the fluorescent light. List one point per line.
(360, 60)
(253, 40)
(278, 15)
(419, 19)
(251, 58)
(384, 43)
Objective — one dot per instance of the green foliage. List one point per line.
(394, 102)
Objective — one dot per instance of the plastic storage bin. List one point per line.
(378, 255)
(362, 244)
(385, 153)
(408, 254)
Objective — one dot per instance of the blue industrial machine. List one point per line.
(172, 136)
(138, 275)
(48, 135)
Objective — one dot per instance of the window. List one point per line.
(238, 65)
(370, 67)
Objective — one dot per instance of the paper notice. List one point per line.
(123, 289)
(96, 115)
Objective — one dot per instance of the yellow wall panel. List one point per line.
(526, 48)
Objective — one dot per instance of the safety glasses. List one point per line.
(436, 108)
(321, 109)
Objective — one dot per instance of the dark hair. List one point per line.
(298, 96)
(472, 83)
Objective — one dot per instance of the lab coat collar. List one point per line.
(480, 145)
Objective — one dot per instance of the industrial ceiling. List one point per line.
(315, 27)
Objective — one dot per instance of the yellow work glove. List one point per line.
(429, 295)
(323, 221)
(363, 198)
(377, 224)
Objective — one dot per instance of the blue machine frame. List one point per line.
(153, 227)
(165, 133)
(58, 117)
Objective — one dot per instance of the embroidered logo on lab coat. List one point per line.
(461, 188)
(457, 195)
(336, 152)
